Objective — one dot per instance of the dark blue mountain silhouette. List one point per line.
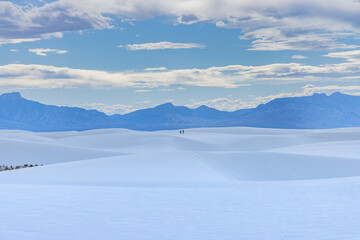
(19, 113)
(317, 111)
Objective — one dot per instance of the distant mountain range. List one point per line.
(310, 112)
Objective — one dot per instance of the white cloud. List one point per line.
(166, 90)
(310, 89)
(108, 109)
(31, 23)
(290, 34)
(156, 69)
(272, 25)
(142, 90)
(351, 56)
(45, 51)
(223, 104)
(18, 40)
(299, 57)
(42, 76)
(163, 45)
(231, 76)
(143, 102)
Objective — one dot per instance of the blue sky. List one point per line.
(120, 55)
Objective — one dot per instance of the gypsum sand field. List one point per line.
(217, 183)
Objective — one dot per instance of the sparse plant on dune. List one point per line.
(7, 168)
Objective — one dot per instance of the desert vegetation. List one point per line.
(7, 168)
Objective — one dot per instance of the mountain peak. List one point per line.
(13, 95)
(165, 105)
(202, 107)
(337, 94)
(205, 108)
(319, 95)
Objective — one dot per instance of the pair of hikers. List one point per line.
(182, 131)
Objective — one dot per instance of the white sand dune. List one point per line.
(218, 183)
(171, 169)
(15, 151)
(237, 154)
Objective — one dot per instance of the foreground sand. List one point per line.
(220, 183)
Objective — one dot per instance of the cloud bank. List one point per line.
(231, 76)
(162, 45)
(108, 109)
(156, 69)
(270, 25)
(299, 57)
(228, 104)
(45, 51)
(351, 56)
